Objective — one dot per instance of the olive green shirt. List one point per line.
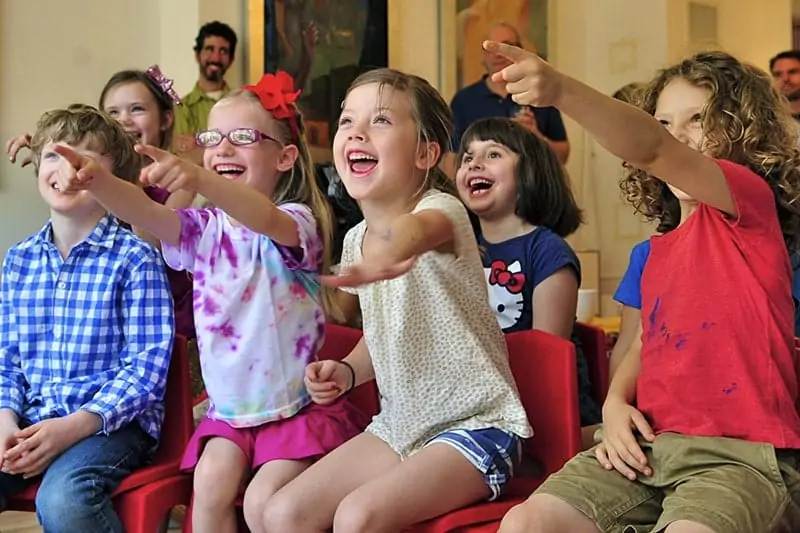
(192, 115)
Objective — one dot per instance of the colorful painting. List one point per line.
(476, 17)
(324, 45)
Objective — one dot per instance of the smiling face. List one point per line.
(70, 204)
(214, 58)
(680, 109)
(377, 148)
(134, 107)
(259, 164)
(486, 178)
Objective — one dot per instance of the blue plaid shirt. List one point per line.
(93, 331)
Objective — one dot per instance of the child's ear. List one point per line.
(168, 120)
(288, 157)
(428, 155)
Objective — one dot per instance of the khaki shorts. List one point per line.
(728, 485)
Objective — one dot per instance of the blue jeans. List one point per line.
(76, 487)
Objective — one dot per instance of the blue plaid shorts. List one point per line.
(494, 452)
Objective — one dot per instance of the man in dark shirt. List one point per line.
(785, 69)
(486, 98)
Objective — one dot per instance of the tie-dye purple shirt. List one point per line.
(257, 312)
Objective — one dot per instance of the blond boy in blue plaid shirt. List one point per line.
(86, 333)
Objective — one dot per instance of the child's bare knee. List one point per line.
(355, 515)
(216, 481)
(542, 513)
(280, 513)
(517, 520)
(253, 507)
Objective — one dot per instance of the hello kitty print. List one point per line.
(513, 269)
(505, 291)
(257, 312)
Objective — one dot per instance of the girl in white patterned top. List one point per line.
(451, 420)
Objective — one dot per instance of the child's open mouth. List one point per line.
(361, 163)
(229, 170)
(135, 135)
(54, 186)
(479, 186)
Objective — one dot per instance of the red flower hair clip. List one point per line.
(278, 96)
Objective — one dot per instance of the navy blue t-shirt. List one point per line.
(476, 101)
(513, 269)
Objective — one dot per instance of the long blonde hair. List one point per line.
(299, 185)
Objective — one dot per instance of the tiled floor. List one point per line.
(13, 522)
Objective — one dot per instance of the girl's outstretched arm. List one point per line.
(624, 130)
(408, 237)
(250, 207)
(122, 199)
(247, 205)
(414, 234)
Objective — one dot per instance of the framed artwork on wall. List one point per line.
(324, 45)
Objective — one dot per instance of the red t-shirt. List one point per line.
(718, 323)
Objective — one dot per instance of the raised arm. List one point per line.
(124, 200)
(248, 206)
(140, 382)
(622, 129)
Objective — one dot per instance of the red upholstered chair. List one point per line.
(545, 370)
(593, 340)
(145, 498)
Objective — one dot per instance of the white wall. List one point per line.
(752, 30)
(54, 53)
(606, 45)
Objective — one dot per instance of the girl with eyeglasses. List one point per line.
(258, 307)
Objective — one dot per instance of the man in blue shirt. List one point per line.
(485, 99)
(86, 334)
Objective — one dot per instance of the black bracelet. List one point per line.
(352, 376)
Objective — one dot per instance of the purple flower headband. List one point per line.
(166, 84)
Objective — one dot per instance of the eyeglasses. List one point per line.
(237, 137)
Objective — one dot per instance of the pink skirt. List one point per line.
(309, 434)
